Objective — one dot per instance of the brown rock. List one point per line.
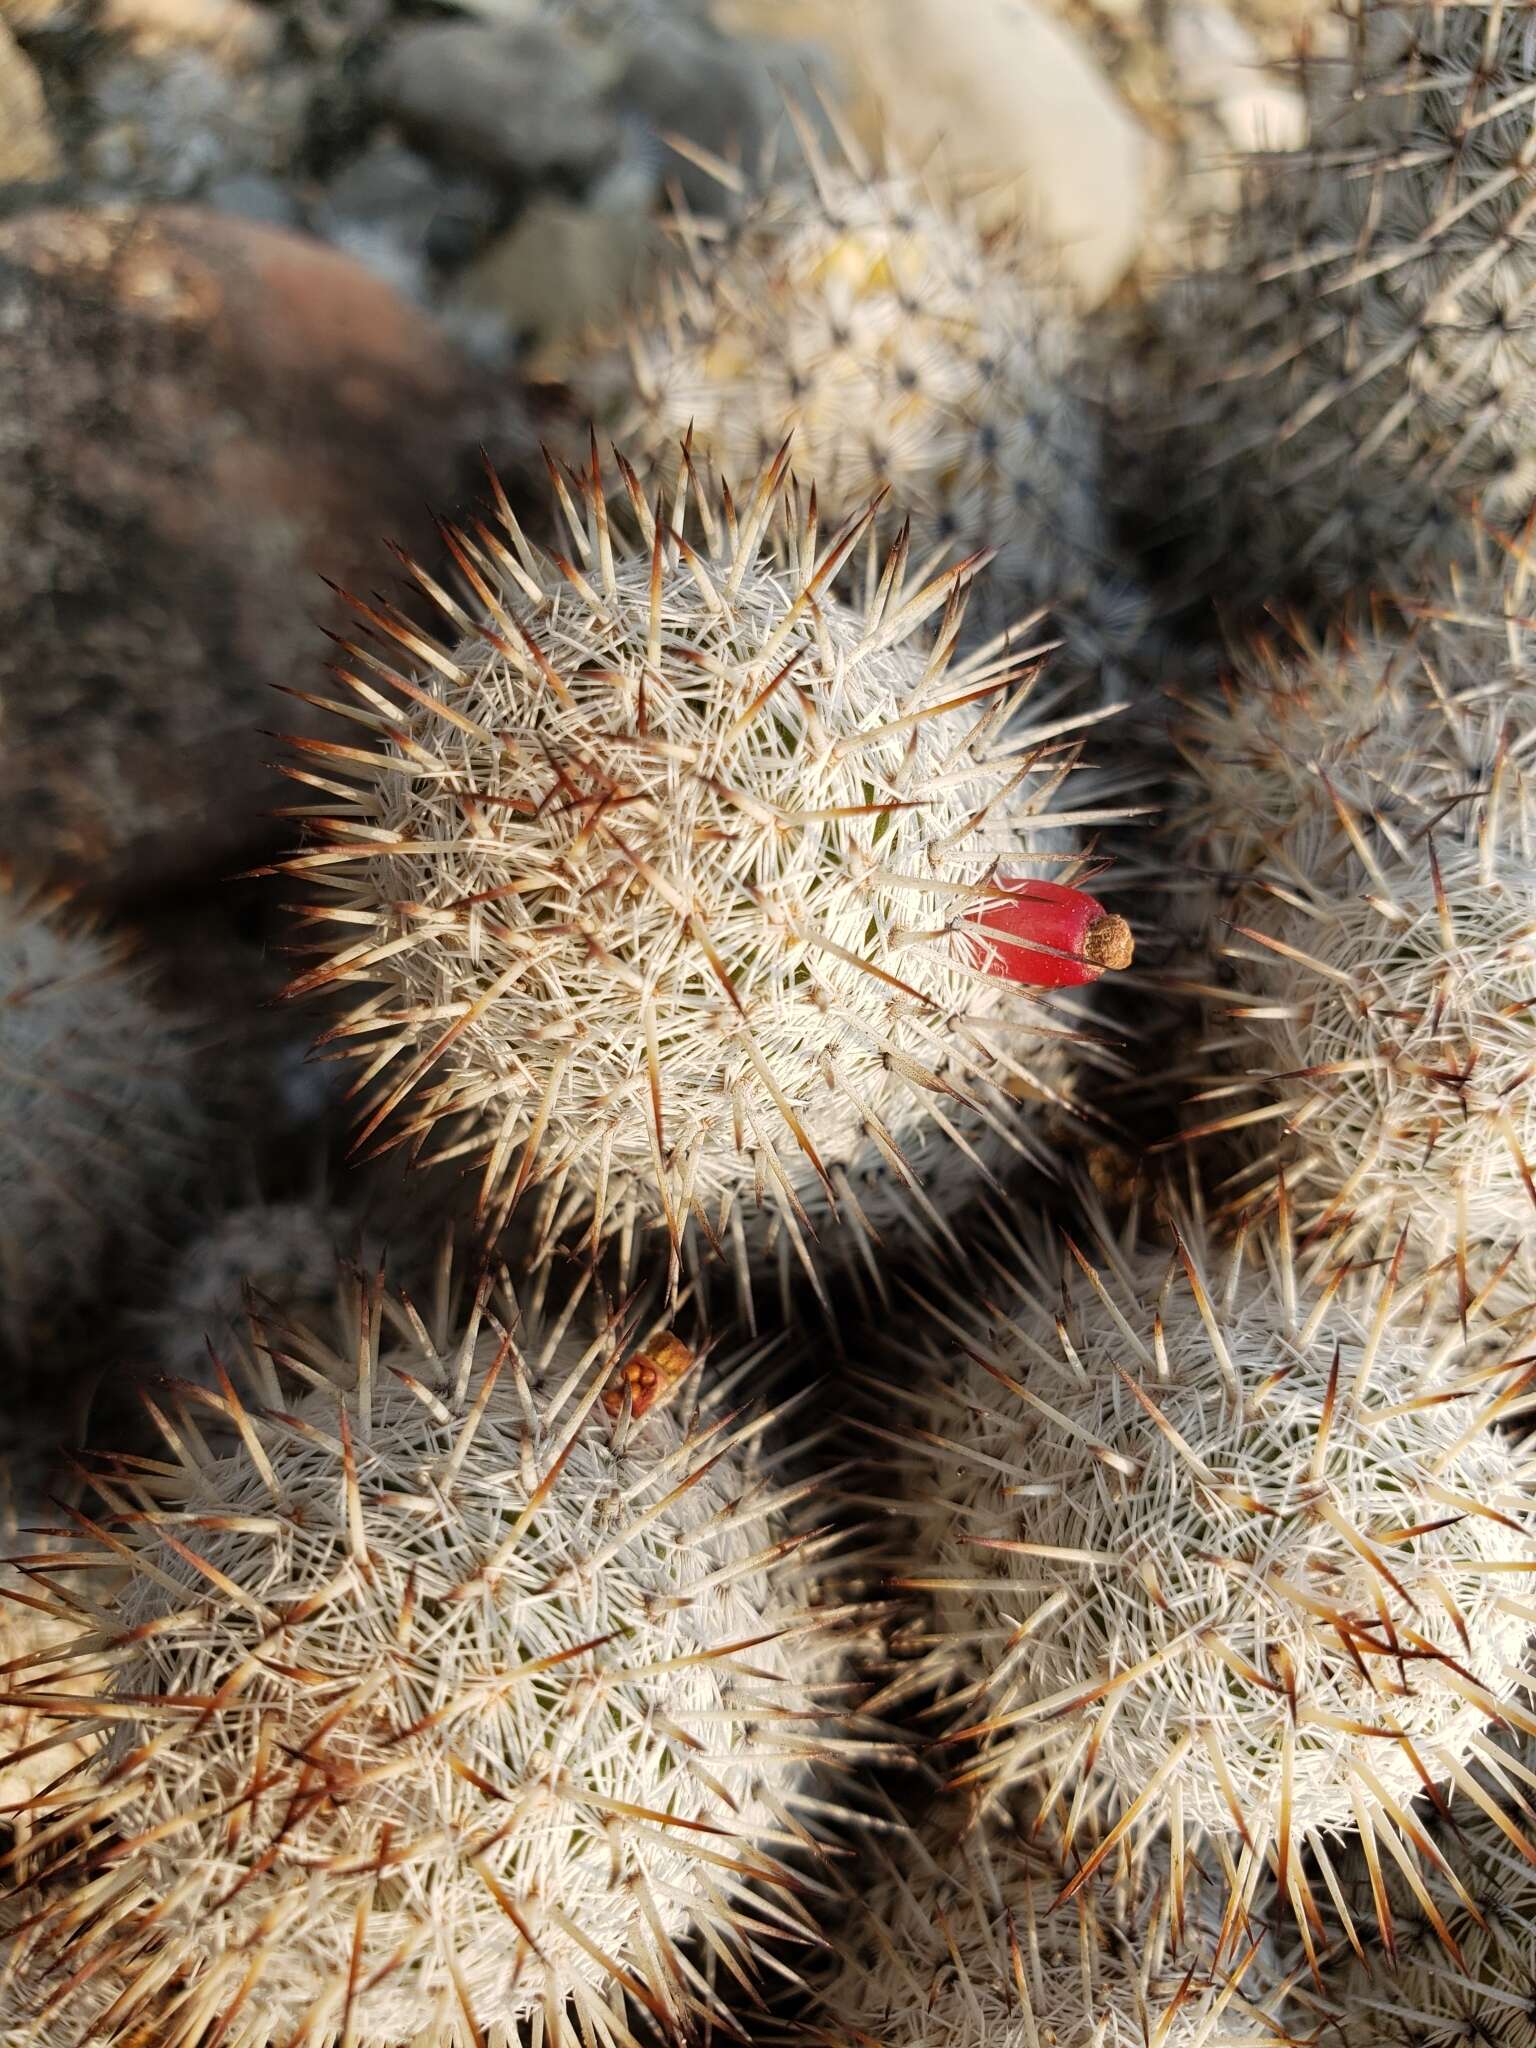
(198, 416)
(29, 151)
(235, 32)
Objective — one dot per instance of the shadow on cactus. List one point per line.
(1366, 806)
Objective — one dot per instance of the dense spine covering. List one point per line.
(97, 1112)
(1458, 1965)
(907, 350)
(955, 1936)
(1367, 811)
(663, 884)
(34, 1619)
(460, 1698)
(1216, 1554)
(1363, 357)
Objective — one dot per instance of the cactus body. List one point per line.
(512, 1691)
(662, 881)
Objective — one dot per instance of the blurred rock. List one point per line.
(563, 267)
(683, 77)
(167, 127)
(406, 217)
(519, 101)
(254, 197)
(198, 415)
(29, 153)
(234, 32)
(30, 14)
(1016, 106)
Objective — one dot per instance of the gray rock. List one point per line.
(685, 78)
(168, 127)
(406, 217)
(564, 266)
(255, 197)
(522, 101)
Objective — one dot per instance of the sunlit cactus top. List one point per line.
(442, 1704)
(664, 884)
(901, 344)
(1216, 1551)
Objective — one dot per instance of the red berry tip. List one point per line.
(1045, 935)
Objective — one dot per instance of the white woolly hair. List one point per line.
(1374, 816)
(660, 882)
(1211, 1552)
(447, 1704)
(96, 1110)
(956, 1937)
(1362, 358)
(1459, 1966)
(904, 348)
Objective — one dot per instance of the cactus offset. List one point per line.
(1216, 1553)
(441, 1703)
(1459, 1965)
(1365, 355)
(956, 1937)
(96, 1108)
(1371, 808)
(907, 350)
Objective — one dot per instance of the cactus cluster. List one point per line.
(1180, 1520)
(948, 1495)
(957, 1936)
(526, 1697)
(1366, 811)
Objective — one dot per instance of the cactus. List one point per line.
(1460, 1963)
(907, 350)
(956, 1938)
(1214, 1552)
(96, 1109)
(1364, 356)
(668, 882)
(1370, 807)
(450, 1700)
